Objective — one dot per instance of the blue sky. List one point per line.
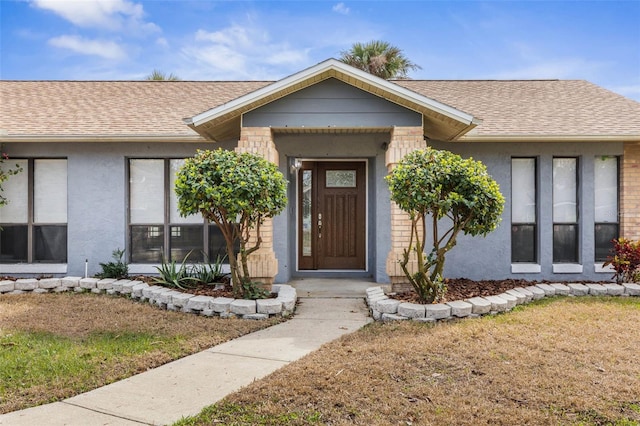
(597, 41)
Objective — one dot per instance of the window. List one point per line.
(606, 205)
(523, 211)
(157, 232)
(34, 222)
(565, 210)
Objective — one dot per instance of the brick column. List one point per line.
(259, 141)
(263, 265)
(630, 192)
(403, 141)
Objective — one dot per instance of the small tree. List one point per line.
(436, 184)
(5, 173)
(237, 192)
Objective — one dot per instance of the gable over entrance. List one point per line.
(331, 104)
(439, 121)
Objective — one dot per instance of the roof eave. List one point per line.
(550, 138)
(103, 138)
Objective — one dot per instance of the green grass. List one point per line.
(244, 415)
(29, 359)
(54, 346)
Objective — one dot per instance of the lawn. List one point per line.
(53, 346)
(557, 361)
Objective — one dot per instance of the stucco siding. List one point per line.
(96, 193)
(97, 200)
(489, 257)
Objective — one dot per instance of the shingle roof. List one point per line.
(95, 109)
(537, 107)
(110, 108)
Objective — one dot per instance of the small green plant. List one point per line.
(174, 275)
(253, 290)
(209, 273)
(118, 268)
(201, 273)
(625, 260)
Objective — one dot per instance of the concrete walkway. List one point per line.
(327, 309)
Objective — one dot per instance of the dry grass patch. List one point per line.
(53, 346)
(558, 361)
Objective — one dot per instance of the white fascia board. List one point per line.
(402, 92)
(102, 138)
(332, 64)
(549, 138)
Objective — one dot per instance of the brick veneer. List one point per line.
(630, 192)
(403, 141)
(258, 140)
(263, 265)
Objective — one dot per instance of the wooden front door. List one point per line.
(332, 215)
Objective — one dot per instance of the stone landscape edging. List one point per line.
(282, 305)
(385, 309)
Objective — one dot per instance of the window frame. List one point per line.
(167, 228)
(535, 223)
(575, 258)
(600, 223)
(31, 223)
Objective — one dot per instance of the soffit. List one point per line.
(330, 130)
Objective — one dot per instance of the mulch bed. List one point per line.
(214, 290)
(463, 288)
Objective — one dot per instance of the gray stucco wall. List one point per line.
(97, 200)
(96, 193)
(489, 258)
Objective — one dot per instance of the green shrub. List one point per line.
(116, 269)
(432, 184)
(237, 192)
(625, 260)
(174, 275)
(209, 273)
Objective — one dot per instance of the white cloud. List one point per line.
(104, 49)
(162, 42)
(341, 8)
(244, 52)
(234, 36)
(220, 58)
(114, 15)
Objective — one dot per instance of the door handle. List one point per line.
(319, 225)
